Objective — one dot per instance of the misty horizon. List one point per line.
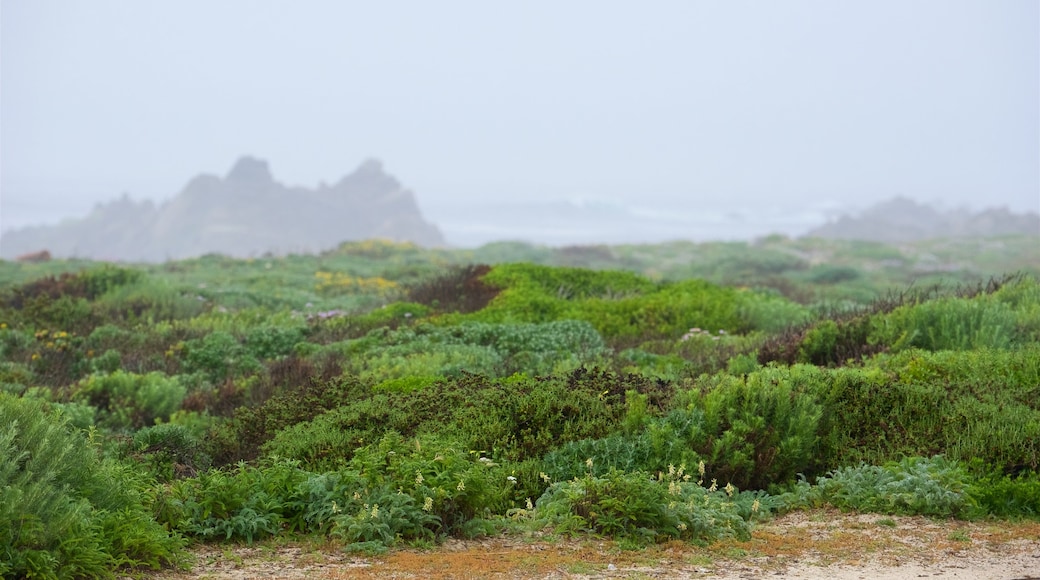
(670, 109)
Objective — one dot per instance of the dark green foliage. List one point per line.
(981, 404)
(758, 429)
(88, 285)
(516, 418)
(827, 274)
(637, 507)
(1002, 496)
(218, 355)
(246, 503)
(268, 342)
(170, 451)
(252, 426)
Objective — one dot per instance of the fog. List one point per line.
(771, 115)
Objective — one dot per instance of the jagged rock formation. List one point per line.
(903, 220)
(246, 213)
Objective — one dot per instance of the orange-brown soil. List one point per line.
(816, 544)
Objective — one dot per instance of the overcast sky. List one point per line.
(666, 103)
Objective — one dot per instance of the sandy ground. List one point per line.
(817, 544)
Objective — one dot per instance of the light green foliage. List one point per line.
(914, 486)
(1008, 497)
(131, 401)
(474, 347)
(1022, 295)
(240, 322)
(637, 360)
(819, 343)
(981, 404)
(769, 313)
(96, 282)
(617, 304)
(148, 302)
(107, 362)
(947, 324)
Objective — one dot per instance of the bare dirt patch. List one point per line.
(815, 544)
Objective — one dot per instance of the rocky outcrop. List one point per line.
(903, 220)
(246, 213)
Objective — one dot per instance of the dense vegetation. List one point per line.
(382, 394)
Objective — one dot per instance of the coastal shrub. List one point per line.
(758, 429)
(1004, 496)
(617, 304)
(218, 355)
(65, 512)
(522, 418)
(516, 418)
(170, 451)
(460, 289)
(766, 313)
(568, 283)
(979, 404)
(947, 324)
(617, 451)
(912, 486)
(479, 348)
(269, 342)
(639, 508)
(149, 302)
(251, 426)
(245, 503)
(128, 401)
(447, 481)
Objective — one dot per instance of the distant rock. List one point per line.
(35, 257)
(247, 213)
(904, 220)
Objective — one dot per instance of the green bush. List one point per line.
(254, 425)
(758, 429)
(128, 401)
(64, 512)
(759, 311)
(637, 507)
(149, 302)
(619, 305)
(947, 324)
(1002, 496)
(246, 503)
(218, 355)
(268, 342)
(966, 405)
(169, 451)
(913, 486)
(478, 348)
